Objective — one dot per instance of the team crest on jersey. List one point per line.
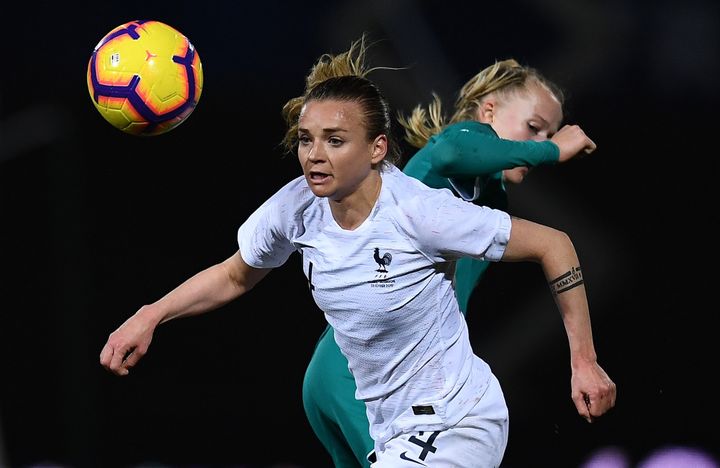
(382, 261)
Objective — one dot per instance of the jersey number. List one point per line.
(309, 275)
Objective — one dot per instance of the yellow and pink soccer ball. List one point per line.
(145, 77)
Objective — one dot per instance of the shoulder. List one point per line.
(467, 126)
(460, 136)
(279, 217)
(298, 185)
(286, 206)
(438, 223)
(412, 197)
(295, 193)
(407, 187)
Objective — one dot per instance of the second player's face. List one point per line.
(333, 148)
(536, 115)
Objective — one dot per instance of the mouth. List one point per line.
(317, 177)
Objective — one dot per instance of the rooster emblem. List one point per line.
(383, 261)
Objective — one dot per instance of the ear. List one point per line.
(486, 111)
(379, 149)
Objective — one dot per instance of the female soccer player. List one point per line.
(378, 249)
(507, 119)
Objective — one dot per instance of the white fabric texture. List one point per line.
(386, 288)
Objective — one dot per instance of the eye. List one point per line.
(303, 139)
(534, 129)
(335, 141)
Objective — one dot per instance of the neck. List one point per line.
(351, 211)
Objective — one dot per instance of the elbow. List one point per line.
(563, 239)
(239, 276)
(560, 241)
(561, 246)
(538, 243)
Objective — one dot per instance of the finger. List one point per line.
(132, 358)
(582, 404)
(591, 146)
(106, 355)
(612, 393)
(116, 363)
(589, 406)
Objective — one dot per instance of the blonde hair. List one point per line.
(344, 77)
(503, 78)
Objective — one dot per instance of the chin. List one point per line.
(318, 192)
(323, 192)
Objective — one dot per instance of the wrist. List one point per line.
(151, 315)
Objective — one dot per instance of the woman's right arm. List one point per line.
(203, 292)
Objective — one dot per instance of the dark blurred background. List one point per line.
(95, 223)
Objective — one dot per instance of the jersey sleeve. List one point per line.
(450, 228)
(264, 239)
(468, 149)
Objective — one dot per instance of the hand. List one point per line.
(126, 345)
(572, 140)
(592, 390)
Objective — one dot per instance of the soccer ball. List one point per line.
(145, 77)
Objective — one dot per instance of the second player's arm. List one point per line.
(470, 149)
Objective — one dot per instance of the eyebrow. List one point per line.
(325, 130)
(535, 115)
(546, 123)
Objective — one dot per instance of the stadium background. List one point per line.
(95, 223)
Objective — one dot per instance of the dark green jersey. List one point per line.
(468, 158)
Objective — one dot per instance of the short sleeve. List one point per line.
(264, 238)
(458, 228)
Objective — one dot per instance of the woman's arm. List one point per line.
(203, 292)
(593, 392)
(470, 149)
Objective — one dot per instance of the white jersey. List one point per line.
(386, 287)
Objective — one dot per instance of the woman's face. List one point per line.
(333, 148)
(533, 115)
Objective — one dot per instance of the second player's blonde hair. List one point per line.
(502, 78)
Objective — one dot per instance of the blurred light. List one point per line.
(608, 457)
(665, 457)
(679, 457)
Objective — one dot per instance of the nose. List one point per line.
(316, 153)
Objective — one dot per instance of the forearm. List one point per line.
(204, 291)
(593, 392)
(575, 313)
(564, 275)
(555, 252)
(477, 152)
